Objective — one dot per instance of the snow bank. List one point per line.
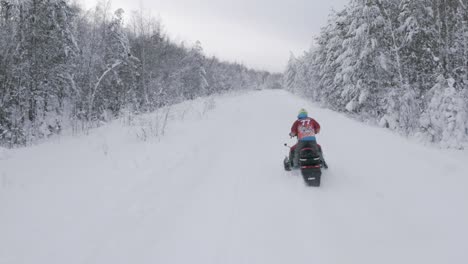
(4, 153)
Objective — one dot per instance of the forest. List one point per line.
(401, 64)
(63, 67)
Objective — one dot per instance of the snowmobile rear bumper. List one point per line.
(312, 175)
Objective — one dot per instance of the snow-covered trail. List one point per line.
(213, 190)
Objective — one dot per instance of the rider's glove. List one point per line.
(292, 134)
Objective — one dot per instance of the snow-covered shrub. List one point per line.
(445, 118)
(402, 110)
(150, 126)
(208, 105)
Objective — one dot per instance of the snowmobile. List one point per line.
(311, 163)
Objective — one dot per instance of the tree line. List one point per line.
(400, 63)
(62, 66)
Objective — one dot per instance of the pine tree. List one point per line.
(290, 73)
(325, 64)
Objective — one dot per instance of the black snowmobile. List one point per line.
(311, 163)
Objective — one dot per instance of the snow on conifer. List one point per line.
(402, 64)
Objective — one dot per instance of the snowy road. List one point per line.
(213, 190)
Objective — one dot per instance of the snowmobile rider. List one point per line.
(305, 128)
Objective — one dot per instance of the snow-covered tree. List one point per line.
(194, 73)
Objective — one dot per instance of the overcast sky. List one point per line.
(258, 33)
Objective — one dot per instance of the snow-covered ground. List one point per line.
(213, 190)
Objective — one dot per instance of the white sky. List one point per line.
(258, 33)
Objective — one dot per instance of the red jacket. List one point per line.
(306, 127)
